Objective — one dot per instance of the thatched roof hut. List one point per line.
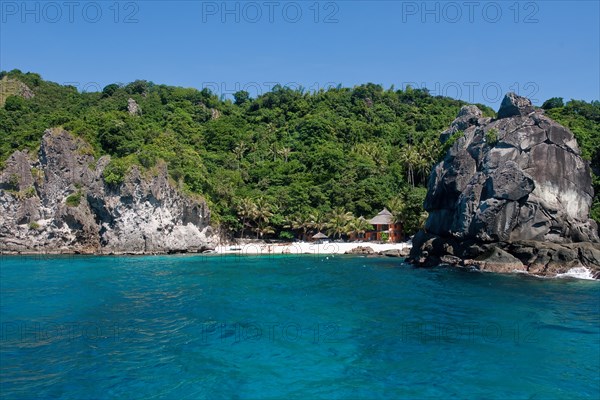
(320, 236)
(383, 218)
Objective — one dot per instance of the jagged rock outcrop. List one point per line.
(132, 107)
(13, 87)
(512, 193)
(59, 202)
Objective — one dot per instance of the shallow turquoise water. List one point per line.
(223, 327)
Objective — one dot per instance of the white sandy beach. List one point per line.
(305, 248)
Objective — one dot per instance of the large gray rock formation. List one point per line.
(58, 202)
(508, 184)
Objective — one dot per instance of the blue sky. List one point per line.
(473, 51)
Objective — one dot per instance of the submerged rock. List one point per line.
(516, 183)
(59, 202)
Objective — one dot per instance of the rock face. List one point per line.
(395, 252)
(13, 87)
(60, 203)
(361, 250)
(132, 107)
(513, 191)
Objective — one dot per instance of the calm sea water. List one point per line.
(222, 327)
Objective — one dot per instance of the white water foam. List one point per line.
(578, 273)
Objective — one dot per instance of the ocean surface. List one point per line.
(290, 327)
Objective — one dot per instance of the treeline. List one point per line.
(296, 154)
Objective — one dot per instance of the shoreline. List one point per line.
(302, 249)
(297, 248)
(308, 248)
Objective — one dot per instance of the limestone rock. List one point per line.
(26, 93)
(132, 107)
(60, 203)
(14, 87)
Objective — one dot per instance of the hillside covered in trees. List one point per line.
(278, 165)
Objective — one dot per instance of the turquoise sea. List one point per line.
(290, 327)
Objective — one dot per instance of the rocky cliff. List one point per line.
(512, 194)
(57, 201)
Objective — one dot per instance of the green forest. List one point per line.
(279, 165)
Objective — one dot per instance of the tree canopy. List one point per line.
(269, 163)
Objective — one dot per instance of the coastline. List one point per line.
(299, 249)
(233, 248)
(307, 248)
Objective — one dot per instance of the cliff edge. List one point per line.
(59, 202)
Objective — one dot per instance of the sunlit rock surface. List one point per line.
(57, 201)
(513, 191)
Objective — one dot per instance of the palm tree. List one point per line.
(247, 211)
(427, 158)
(253, 150)
(285, 153)
(318, 221)
(359, 225)
(264, 212)
(263, 229)
(300, 222)
(367, 149)
(239, 152)
(338, 222)
(397, 207)
(410, 157)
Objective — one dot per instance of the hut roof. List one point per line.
(383, 218)
(320, 236)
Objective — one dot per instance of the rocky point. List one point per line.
(511, 195)
(57, 201)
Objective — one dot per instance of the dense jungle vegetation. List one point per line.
(279, 165)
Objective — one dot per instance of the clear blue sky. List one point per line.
(538, 48)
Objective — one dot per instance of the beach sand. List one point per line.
(305, 248)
